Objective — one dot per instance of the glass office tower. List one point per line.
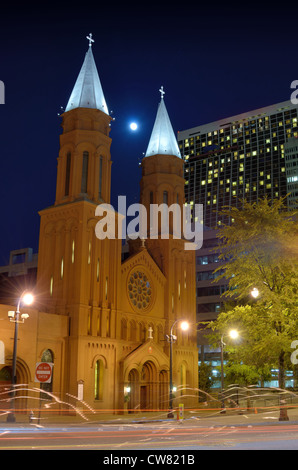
(239, 157)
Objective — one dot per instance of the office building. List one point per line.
(242, 156)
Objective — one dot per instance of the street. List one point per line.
(185, 437)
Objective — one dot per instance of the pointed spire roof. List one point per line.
(87, 92)
(162, 140)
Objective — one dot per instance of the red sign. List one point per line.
(43, 372)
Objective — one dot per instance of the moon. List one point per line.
(133, 126)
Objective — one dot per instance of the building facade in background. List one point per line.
(239, 157)
(248, 156)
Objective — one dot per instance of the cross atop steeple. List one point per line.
(163, 140)
(90, 39)
(162, 92)
(87, 92)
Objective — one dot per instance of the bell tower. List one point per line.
(77, 272)
(84, 163)
(162, 184)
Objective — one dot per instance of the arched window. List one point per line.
(67, 174)
(98, 380)
(123, 329)
(132, 330)
(100, 178)
(47, 356)
(85, 172)
(183, 379)
(165, 197)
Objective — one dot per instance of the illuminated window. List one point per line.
(106, 288)
(51, 285)
(61, 268)
(73, 251)
(89, 253)
(97, 270)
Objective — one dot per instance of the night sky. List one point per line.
(214, 61)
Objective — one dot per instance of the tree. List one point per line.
(206, 379)
(259, 249)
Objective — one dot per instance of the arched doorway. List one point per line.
(163, 390)
(134, 397)
(148, 387)
(21, 387)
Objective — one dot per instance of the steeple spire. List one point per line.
(87, 92)
(162, 140)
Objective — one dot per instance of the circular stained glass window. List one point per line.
(139, 290)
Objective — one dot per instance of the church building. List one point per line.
(106, 324)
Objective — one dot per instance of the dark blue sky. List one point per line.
(213, 59)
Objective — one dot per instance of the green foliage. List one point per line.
(244, 375)
(260, 250)
(206, 379)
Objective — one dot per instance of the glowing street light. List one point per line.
(16, 317)
(255, 293)
(171, 339)
(233, 334)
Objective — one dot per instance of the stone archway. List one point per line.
(164, 388)
(134, 393)
(149, 387)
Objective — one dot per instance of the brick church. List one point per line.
(102, 321)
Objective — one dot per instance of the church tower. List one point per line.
(163, 183)
(77, 273)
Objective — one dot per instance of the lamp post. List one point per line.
(232, 334)
(255, 293)
(171, 339)
(16, 317)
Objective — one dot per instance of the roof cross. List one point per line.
(90, 39)
(162, 92)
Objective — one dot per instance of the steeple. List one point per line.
(162, 140)
(87, 92)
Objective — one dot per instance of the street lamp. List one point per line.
(233, 334)
(16, 317)
(255, 293)
(171, 339)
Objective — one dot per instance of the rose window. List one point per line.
(139, 290)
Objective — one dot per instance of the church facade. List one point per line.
(101, 321)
